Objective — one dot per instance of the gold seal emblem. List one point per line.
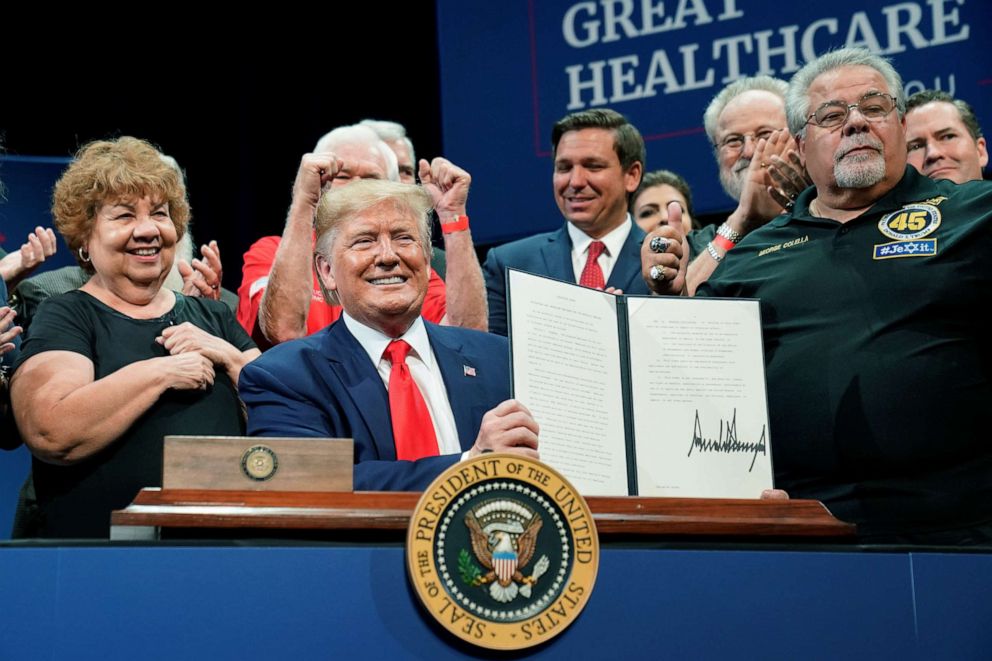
(913, 221)
(502, 551)
(259, 463)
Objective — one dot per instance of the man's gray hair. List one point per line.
(360, 135)
(797, 98)
(732, 91)
(390, 132)
(185, 246)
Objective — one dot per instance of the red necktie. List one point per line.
(413, 431)
(592, 275)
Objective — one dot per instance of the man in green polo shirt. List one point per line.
(879, 373)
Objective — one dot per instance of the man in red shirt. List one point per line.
(279, 298)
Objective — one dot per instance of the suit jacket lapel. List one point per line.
(557, 254)
(627, 268)
(362, 384)
(463, 390)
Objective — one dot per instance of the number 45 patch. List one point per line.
(913, 221)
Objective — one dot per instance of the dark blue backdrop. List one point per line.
(510, 69)
(28, 182)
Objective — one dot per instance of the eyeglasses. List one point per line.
(872, 106)
(735, 141)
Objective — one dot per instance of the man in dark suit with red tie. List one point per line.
(415, 397)
(598, 163)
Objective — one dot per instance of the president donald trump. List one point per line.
(415, 397)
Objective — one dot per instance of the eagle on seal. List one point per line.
(504, 554)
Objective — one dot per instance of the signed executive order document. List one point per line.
(639, 395)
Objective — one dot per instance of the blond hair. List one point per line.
(344, 203)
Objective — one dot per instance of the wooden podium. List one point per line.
(208, 514)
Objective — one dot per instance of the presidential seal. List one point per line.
(259, 463)
(502, 551)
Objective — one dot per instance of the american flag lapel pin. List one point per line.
(468, 370)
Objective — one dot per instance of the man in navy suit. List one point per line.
(415, 397)
(598, 162)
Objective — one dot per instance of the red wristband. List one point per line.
(455, 224)
(723, 242)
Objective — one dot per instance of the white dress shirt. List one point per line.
(424, 369)
(614, 242)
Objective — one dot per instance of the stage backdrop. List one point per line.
(510, 69)
(27, 183)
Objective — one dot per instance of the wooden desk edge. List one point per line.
(391, 511)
